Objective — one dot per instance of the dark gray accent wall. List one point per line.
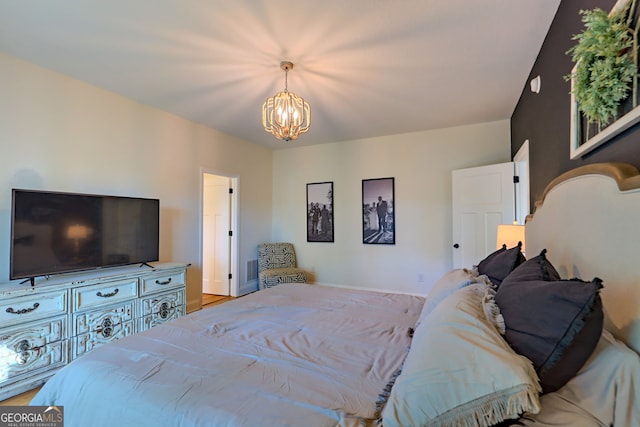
(544, 118)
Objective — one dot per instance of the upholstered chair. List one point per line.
(277, 264)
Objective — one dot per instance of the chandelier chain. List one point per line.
(286, 79)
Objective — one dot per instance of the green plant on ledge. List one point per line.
(606, 63)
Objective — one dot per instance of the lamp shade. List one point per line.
(286, 115)
(510, 235)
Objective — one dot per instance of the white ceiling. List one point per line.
(366, 67)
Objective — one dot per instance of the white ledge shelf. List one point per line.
(623, 123)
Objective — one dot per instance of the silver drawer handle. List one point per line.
(166, 282)
(24, 345)
(23, 352)
(23, 310)
(165, 310)
(109, 295)
(106, 327)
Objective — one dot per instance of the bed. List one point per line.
(291, 355)
(510, 341)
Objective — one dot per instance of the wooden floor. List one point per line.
(209, 300)
(24, 398)
(21, 399)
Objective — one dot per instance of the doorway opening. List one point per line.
(218, 236)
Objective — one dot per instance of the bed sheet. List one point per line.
(604, 393)
(291, 355)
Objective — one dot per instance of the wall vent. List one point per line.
(252, 270)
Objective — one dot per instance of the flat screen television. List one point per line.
(55, 232)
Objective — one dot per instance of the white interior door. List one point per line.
(216, 224)
(482, 197)
(521, 166)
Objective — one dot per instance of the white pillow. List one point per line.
(605, 391)
(460, 371)
(450, 282)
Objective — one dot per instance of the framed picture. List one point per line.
(378, 211)
(608, 74)
(320, 212)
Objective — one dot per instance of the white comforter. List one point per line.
(604, 393)
(293, 355)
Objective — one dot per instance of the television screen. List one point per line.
(53, 232)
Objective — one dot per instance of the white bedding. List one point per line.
(605, 392)
(293, 355)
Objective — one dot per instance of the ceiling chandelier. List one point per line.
(286, 115)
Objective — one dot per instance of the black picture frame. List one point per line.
(320, 212)
(378, 195)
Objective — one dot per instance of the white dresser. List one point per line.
(42, 328)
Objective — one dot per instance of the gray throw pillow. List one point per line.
(536, 268)
(556, 324)
(497, 265)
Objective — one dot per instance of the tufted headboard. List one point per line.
(589, 222)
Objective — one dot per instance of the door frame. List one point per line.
(521, 166)
(234, 267)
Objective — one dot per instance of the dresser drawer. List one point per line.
(33, 307)
(33, 348)
(161, 303)
(86, 342)
(152, 320)
(161, 308)
(102, 318)
(161, 282)
(104, 293)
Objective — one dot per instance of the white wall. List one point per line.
(57, 133)
(61, 134)
(421, 164)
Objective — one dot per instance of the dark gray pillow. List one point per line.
(536, 268)
(555, 324)
(500, 263)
